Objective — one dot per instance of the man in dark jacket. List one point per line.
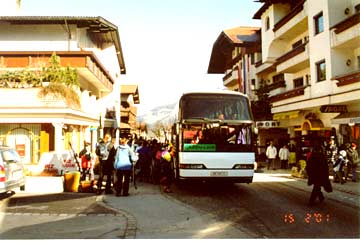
(318, 174)
(106, 153)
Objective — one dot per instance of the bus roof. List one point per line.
(230, 92)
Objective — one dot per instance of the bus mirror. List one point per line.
(256, 130)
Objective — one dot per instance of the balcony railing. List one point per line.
(277, 84)
(289, 94)
(348, 78)
(289, 16)
(347, 23)
(291, 53)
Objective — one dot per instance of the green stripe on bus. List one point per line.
(199, 147)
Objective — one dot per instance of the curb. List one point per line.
(131, 222)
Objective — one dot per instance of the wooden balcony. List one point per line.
(294, 52)
(276, 85)
(289, 94)
(289, 16)
(87, 64)
(348, 78)
(347, 23)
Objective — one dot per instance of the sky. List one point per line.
(166, 44)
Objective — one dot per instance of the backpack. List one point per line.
(102, 151)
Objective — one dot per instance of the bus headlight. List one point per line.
(244, 166)
(192, 166)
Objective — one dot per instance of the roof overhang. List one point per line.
(130, 89)
(221, 55)
(312, 125)
(351, 118)
(99, 29)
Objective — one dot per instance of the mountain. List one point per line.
(164, 113)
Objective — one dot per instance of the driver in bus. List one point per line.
(198, 137)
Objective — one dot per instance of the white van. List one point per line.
(12, 173)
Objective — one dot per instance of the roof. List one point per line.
(131, 89)
(98, 28)
(221, 55)
(268, 3)
(242, 35)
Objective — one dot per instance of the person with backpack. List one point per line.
(105, 163)
(124, 159)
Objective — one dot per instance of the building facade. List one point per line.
(310, 57)
(36, 124)
(309, 60)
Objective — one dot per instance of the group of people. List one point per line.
(116, 164)
(342, 161)
(271, 154)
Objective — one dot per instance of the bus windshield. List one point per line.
(215, 107)
(214, 137)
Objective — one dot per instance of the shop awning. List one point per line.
(286, 115)
(351, 117)
(312, 125)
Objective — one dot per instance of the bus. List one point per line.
(214, 137)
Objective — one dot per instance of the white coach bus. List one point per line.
(214, 137)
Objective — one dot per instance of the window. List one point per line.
(321, 70)
(252, 58)
(278, 78)
(319, 23)
(267, 23)
(298, 82)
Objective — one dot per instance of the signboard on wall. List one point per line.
(333, 108)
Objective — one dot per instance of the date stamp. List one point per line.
(308, 218)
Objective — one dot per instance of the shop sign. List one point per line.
(333, 108)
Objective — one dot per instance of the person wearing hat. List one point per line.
(353, 158)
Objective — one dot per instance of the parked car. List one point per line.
(12, 173)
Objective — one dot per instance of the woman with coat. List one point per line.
(123, 166)
(318, 174)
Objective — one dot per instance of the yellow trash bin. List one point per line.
(71, 181)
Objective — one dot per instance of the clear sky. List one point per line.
(166, 43)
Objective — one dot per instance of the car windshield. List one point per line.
(10, 156)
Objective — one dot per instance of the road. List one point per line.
(270, 207)
(276, 209)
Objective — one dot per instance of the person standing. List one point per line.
(87, 162)
(318, 174)
(338, 167)
(331, 150)
(271, 153)
(354, 160)
(284, 155)
(123, 165)
(102, 151)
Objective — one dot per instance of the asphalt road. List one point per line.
(276, 209)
